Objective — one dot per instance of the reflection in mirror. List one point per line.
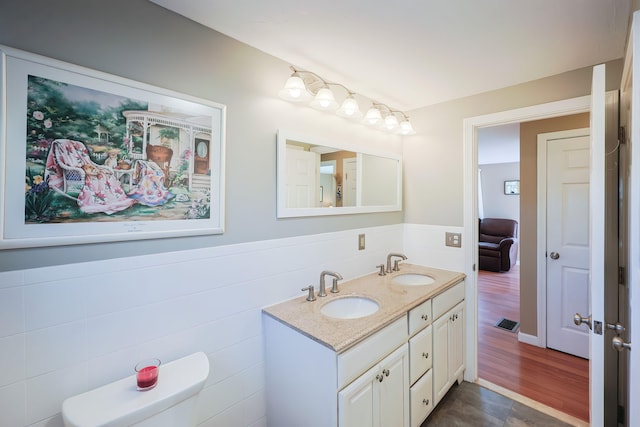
(328, 178)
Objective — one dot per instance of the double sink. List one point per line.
(363, 304)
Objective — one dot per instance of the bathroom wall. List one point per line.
(433, 158)
(70, 328)
(138, 40)
(496, 203)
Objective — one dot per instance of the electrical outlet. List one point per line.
(453, 239)
(360, 242)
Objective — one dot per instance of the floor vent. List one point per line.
(507, 325)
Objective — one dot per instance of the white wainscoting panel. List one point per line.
(67, 329)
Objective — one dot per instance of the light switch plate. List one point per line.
(360, 242)
(453, 239)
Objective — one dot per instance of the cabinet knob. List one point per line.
(424, 317)
(425, 401)
(379, 378)
(385, 372)
(425, 355)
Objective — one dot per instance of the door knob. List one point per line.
(554, 255)
(578, 320)
(619, 344)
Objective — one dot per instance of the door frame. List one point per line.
(470, 205)
(541, 245)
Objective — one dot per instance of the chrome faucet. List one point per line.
(395, 265)
(336, 276)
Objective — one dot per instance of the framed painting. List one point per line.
(91, 157)
(512, 188)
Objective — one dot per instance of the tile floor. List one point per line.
(470, 405)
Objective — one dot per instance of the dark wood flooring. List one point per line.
(553, 378)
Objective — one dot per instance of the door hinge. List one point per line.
(622, 136)
(474, 267)
(621, 415)
(621, 276)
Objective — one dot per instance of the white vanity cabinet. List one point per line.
(310, 385)
(448, 340)
(388, 369)
(379, 396)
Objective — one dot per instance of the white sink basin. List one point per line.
(350, 308)
(412, 279)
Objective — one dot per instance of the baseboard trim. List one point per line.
(529, 339)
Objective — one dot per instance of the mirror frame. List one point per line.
(284, 212)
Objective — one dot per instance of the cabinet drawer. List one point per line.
(446, 300)
(421, 399)
(419, 317)
(358, 359)
(420, 355)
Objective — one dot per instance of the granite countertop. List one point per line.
(394, 301)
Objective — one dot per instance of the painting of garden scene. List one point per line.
(93, 156)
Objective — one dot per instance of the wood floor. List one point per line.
(550, 377)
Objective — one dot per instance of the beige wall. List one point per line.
(141, 41)
(528, 210)
(433, 159)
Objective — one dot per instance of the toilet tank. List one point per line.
(171, 403)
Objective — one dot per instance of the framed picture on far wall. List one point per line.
(91, 157)
(512, 187)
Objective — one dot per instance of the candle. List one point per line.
(147, 374)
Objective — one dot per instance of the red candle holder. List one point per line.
(147, 374)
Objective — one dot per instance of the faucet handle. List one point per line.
(334, 287)
(396, 265)
(311, 296)
(381, 272)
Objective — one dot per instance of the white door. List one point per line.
(598, 255)
(350, 182)
(567, 239)
(632, 86)
(303, 175)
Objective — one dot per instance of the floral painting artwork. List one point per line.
(107, 154)
(87, 157)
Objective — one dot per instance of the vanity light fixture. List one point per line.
(294, 89)
(303, 86)
(324, 100)
(391, 123)
(349, 108)
(373, 116)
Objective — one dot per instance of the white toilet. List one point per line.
(171, 403)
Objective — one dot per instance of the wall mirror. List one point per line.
(320, 177)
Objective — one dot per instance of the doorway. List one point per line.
(514, 365)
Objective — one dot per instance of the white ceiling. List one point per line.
(413, 53)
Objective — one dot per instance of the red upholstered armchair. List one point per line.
(498, 244)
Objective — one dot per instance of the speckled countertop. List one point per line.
(394, 301)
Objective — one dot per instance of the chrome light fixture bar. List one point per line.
(305, 86)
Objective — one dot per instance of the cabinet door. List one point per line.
(358, 402)
(456, 342)
(394, 389)
(441, 380)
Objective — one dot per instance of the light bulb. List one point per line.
(390, 122)
(294, 90)
(406, 128)
(349, 108)
(324, 100)
(373, 116)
